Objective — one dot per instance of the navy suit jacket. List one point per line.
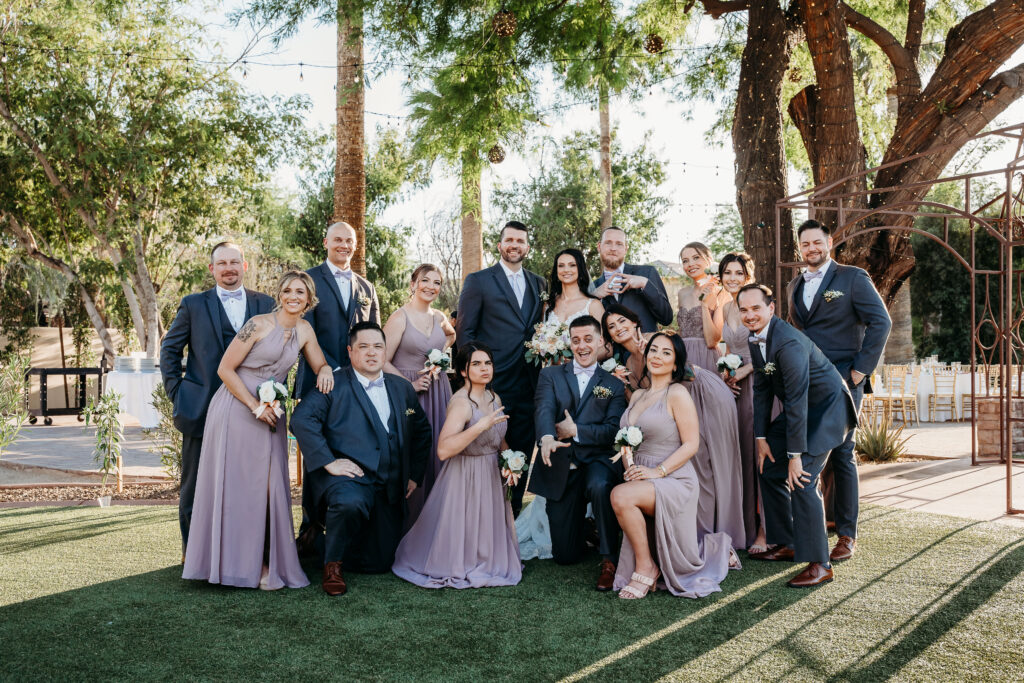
(651, 303)
(344, 424)
(331, 321)
(197, 325)
(488, 313)
(597, 421)
(850, 329)
(817, 408)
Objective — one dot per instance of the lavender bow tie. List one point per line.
(237, 294)
(814, 276)
(376, 384)
(755, 339)
(343, 275)
(588, 371)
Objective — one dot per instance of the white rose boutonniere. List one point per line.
(831, 295)
(768, 369)
(363, 300)
(602, 392)
(544, 295)
(410, 411)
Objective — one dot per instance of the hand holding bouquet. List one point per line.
(707, 283)
(438, 361)
(512, 465)
(271, 395)
(549, 346)
(729, 364)
(626, 440)
(616, 368)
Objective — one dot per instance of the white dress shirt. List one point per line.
(234, 306)
(378, 397)
(582, 379)
(516, 280)
(344, 286)
(811, 287)
(764, 354)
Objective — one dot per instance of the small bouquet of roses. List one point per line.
(709, 278)
(730, 363)
(438, 361)
(272, 395)
(549, 345)
(626, 440)
(512, 465)
(616, 368)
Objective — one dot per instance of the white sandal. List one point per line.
(630, 593)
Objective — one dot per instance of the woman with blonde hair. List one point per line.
(700, 307)
(242, 532)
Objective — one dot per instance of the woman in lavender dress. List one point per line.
(465, 536)
(242, 532)
(658, 501)
(736, 270)
(698, 305)
(412, 332)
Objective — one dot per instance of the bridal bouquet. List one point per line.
(438, 361)
(513, 465)
(550, 344)
(271, 394)
(626, 440)
(730, 363)
(616, 368)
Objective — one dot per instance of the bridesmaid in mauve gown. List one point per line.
(698, 305)
(659, 499)
(242, 530)
(408, 345)
(465, 536)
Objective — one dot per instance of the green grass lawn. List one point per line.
(88, 594)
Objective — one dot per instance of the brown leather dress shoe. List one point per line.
(844, 549)
(334, 582)
(607, 578)
(813, 575)
(779, 553)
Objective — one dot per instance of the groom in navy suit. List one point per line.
(499, 306)
(365, 448)
(206, 323)
(578, 408)
(817, 413)
(840, 310)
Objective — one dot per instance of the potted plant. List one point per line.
(109, 435)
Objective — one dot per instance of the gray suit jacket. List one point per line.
(651, 303)
(817, 408)
(851, 329)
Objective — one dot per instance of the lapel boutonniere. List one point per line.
(602, 392)
(410, 411)
(768, 368)
(363, 300)
(544, 296)
(831, 295)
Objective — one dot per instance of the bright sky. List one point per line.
(695, 187)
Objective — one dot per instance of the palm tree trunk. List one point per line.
(472, 232)
(349, 171)
(606, 156)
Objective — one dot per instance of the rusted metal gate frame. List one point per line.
(830, 202)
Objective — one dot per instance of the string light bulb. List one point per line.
(301, 75)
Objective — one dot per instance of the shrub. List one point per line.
(13, 403)
(165, 439)
(109, 432)
(881, 442)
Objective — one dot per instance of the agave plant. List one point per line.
(881, 442)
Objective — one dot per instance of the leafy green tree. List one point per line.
(726, 233)
(562, 202)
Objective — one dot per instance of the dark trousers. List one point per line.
(362, 528)
(840, 484)
(794, 518)
(588, 483)
(517, 397)
(191, 447)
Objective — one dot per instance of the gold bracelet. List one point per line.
(661, 468)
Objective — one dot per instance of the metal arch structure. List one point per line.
(997, 330)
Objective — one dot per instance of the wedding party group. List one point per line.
(664, 450)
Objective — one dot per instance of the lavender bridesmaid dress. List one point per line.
(736, 341)
(691, 329)
(690, 566)
(243, 495)
(465, 536)
(409, 358)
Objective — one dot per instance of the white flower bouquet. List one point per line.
(709, 277)
(730, 363)
(438, 361)
(616, 368)
(512, 465)
(272, 395)
(626, 440)
(549, 346)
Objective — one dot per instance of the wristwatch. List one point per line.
(792, 456)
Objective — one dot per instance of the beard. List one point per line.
(511, 258)
(612, 262)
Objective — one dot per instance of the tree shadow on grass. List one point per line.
(25, 537)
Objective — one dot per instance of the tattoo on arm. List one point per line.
(248, 329)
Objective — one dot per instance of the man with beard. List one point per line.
(638, 288)
(206, 323)
(840, 310)
(499, 307)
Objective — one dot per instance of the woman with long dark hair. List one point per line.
(465, 536)
(569, 289)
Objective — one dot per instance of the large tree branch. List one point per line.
(915, 28)
(908, 82)
(717, 8)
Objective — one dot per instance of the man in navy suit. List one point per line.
(817, 412)
(578, 408)
(840, 310)
(499, 307)
(205, 323)
(638, 288)
(365, 448)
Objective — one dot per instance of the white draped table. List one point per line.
(136, 389)
(962, 387)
